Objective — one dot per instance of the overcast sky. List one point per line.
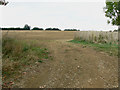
(62, 14)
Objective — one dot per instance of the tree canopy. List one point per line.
(37, 28)
(112, 11)
(3, 2)
(53, 29)
(27, 27)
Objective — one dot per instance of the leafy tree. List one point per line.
(27, 27)
(112, 11)
(3, 2)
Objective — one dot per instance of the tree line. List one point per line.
(27, 27)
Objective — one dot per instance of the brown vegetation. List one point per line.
(97, 36)
(67, 65)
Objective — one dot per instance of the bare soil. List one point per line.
(72, 66)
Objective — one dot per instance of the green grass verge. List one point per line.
(111, 49)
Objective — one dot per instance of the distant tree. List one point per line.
(36, 28)
(12, 28)
(112, 11)
(70, 30)
(48, 29)
(57, 29)
(26, 27)
(53, 29)
(115, 31)
(110, 31)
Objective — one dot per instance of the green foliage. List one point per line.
(40, 61)
(25, 48)
(3, 2)
(112, 10)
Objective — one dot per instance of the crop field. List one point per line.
(59, 59)
(97, 36)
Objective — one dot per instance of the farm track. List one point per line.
(73, 66)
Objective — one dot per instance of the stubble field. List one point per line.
(66, 65)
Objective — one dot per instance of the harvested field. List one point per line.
(68, 65)
(41, 35)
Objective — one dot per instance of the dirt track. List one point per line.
(73, 66)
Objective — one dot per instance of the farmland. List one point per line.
(98, 36)
(52, 59)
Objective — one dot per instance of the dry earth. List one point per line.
(73, 66)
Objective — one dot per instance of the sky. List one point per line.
(63, 14)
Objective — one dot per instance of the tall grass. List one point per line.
(97, 36)
(16, 55)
